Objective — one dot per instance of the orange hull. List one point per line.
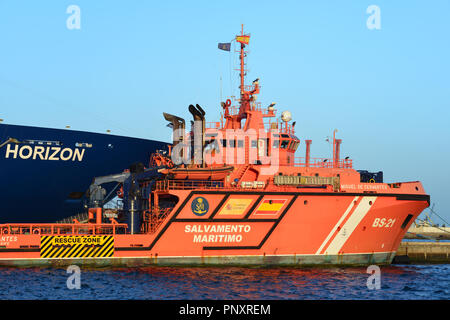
(249, 228)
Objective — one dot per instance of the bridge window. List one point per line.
(284, 144)
(232, 143)
(276, 144)
(240, 143)
(294, 145)
(254, 144)
(291, 146)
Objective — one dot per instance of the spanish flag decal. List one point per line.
(270, 207)
(235, 207)
(243, 39)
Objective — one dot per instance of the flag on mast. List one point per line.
(243, 39)
(224, 46)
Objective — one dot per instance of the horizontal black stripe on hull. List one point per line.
(398, 196)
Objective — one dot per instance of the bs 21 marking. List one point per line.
(383, 222)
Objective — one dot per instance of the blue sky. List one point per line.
(387, 91)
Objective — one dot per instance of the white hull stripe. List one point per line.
(350, 225)
(350, 207)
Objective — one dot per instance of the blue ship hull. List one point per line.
(45, 172)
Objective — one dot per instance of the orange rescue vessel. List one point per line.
(231, 192)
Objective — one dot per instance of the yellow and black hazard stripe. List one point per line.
(77, 246)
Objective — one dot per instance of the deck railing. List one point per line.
(165, 185)
(234, 110)
(62, 229)
(321, 163)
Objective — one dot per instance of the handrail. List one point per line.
(165, 185)
(61, 228)
(234, 110)
(322, 163)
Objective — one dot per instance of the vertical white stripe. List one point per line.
(350, 225)
(350, 207)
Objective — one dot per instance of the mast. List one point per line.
(246, 92)
(241, 57)
(243, 39)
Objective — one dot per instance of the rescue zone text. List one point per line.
(81, 239)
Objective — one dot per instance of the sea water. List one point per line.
(225, 283)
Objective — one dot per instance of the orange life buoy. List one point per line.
(228, 103)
